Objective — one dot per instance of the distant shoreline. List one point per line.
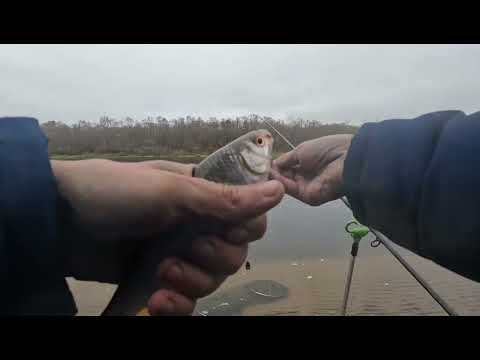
(183, 158)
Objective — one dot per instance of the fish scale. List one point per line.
(222, 168)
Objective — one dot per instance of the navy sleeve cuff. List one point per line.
(32, 270)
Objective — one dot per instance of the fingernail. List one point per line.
(270, 188)
(168, 305)
(205, 248)
(174, 273)
(161, 304)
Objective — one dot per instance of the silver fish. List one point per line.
(246, 160)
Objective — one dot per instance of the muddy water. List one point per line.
(306, 250)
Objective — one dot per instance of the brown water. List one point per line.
(307, 250)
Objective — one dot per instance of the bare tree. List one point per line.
(168, 137)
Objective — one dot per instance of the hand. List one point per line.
(313, 171)
(210, 261)
(175, 167)
(122, 208)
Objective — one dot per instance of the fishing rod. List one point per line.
(379, 239)
(382, 239)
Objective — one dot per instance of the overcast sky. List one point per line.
(352, 83)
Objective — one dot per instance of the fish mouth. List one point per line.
(264, 157)
(249, 168)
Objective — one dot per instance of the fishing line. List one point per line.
(379, 239)
(279, 134)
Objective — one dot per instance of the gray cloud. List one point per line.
(353, 83)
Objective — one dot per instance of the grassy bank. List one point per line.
(183, 158)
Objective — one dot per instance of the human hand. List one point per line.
(313, 171)
(124, 208)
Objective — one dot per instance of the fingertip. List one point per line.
(286, 160)
(266, 196)
(166, 302)
(280, 186)
(160, 303)
(273, 190)
(290, 186)
(274, 175)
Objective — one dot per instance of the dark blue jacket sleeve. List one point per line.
(32, 270)
(418, 182)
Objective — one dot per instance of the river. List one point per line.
(306, 249)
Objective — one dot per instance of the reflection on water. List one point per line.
(307, 250)
(234, 300)
(380, 287)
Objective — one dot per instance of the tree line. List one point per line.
(183, 135)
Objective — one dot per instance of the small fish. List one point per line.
(246, 160)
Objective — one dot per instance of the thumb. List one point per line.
(286, 162)
(291, 185)
(229, 203)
